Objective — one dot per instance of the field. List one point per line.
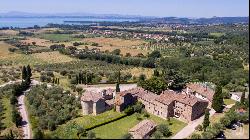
(111, 44)
(52, 57)
(58, 37)
(39, 41)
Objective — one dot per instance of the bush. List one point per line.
(198, 128)
(157, 135)
(91, 135)
(163, 128)
(127, 136)
(129, 110)
(195, 136)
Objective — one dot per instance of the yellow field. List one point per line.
(39, 41)
(52, 57)
(4, 52)
(8, 32)
(114, 43)
(138, 71)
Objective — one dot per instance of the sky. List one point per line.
(160, 8)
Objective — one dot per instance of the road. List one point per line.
(24, 114)
(190, 128)
(22, 109)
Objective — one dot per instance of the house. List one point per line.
(199, 90)
(97, 102)
(143, 130)
(167, 104)
(237, 95)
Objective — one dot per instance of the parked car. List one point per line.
(221, 135)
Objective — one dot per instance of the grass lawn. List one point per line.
(69, 130)
(118, 128)
(58, 37)
(229, 101)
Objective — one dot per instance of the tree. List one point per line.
(157, 135)
(242, 99)
(81, 132)
(91, 135)
(207, 135)
(175, 80)
(142, 77)
(138, 107)
(38, 134)
(217, 102)
(225, 121)
(29, 73)
(163, 128)
(127, 136)
(24, 73)
(117, 89)
(154, 84)
(116, 52)
(206, 121)
(156, 73)
(195, 136)
(155, 54)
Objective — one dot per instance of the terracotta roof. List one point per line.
(201, 89)
(91, 96)
(143, 128)
(168, 96)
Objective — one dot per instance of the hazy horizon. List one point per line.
(157, 8)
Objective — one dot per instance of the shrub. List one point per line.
(198, 128)
(127, 136)
(163, 128)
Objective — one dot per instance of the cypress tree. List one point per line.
(217, 103)
(29, 73)
(80, 78)
(77, 79)
(206, 121)
(242, 98)
(118, 83)
(24, 73)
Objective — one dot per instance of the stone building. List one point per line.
(143, 130)
(167, 104)
(97, 102)
(199, 90)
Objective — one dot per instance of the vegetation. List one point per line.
(51, 106)
(217, 103)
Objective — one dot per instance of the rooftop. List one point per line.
(143, 128)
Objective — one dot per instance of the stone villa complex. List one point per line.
(189, 104)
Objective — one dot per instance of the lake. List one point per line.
(30, 22)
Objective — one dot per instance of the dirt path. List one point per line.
(24, 114)
(27, 134)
